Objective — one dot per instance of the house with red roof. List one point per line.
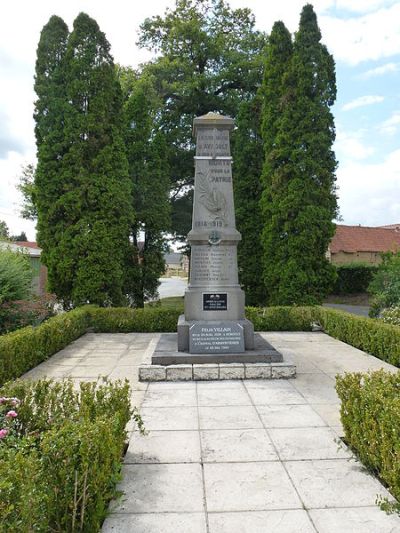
(363, 244)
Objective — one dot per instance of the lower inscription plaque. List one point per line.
(216, 301)
(216, 337)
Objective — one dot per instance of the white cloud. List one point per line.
(349, 146)
(362, 6)
(372, 36)
(380, 71)
(391, 125)
(369, 194)
(362, 101)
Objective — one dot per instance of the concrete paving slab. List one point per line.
(229, 417)
(171, 398)
(289, 416)
(164, 447)
(248, 487)
(261, 522)
(356, 519)
(264, 396)
(244, 445)
(161, 488)
(334, 483)
(170, 418)
(298, 444)
(216, 397)
(156, 523)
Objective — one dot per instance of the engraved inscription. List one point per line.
(213, 264)
(222, 337)
(212, 142)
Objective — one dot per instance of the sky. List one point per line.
(362, 35)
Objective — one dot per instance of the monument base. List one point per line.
(186, 344)
(164, 363)
(165, 353)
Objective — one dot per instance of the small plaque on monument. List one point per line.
(216, 301)
(216, 337)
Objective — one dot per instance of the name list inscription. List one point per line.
(213, 264)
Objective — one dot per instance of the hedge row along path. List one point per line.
(229, 456)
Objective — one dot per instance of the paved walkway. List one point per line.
(236, 456)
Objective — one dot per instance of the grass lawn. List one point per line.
(172, 302)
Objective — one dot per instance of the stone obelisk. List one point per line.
(214, 320)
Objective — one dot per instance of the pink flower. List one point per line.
(3, 433)
(14, 402)
(11, 414)
(3, 399)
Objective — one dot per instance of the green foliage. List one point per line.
(125, 320)
(4, 231)
(82, 184)
(370, 414)
(353, 278)
(21, 313)
(367, 334)
(24, 349)
(66, 458)
(385, 286)
(26, 187)
(248, 159)
(209, 59)
(148, 170)
(15, 276)
(299, 201)
(391, 315)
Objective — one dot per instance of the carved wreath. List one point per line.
(211, 198)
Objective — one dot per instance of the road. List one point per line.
(172, 287)
(361, 310)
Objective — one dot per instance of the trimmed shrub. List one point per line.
(60, 463)
(25, 348)
(370, 414)
(125, 319)
(353, 278)
(367, 334)
(285, 318)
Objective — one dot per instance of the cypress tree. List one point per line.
(248, 161)
(49, 115)
(91, 210)
(148, 171)
(300, 200)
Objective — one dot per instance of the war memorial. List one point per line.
(214, 340)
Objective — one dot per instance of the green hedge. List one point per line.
(61, 459)
(23, 349)
(125, 319)
(284, 318)
(353, 278)
(370, 414)
(368, 334)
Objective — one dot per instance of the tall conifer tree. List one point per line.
(248, 161)
(148, 171)
(49, 115)
(301, 175)
(91, 210)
